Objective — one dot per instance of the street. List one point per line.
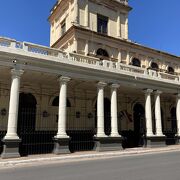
(161, 166)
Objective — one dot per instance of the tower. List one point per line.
(88, 27)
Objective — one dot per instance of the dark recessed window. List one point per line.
(170, 70)
(136, 62)
(63, 28)
(102, 53)
(154, 66)
(102, 24)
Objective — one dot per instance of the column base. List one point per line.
(10, 148)
(108, 144)
(61, 146)
(155, 141)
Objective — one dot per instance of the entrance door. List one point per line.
(26, 122)
(173, 120)
(139, 124)
(107, 116)
(27, 113)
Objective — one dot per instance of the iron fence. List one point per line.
(2, 134)
(37, 130)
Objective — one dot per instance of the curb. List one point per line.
(102, 155)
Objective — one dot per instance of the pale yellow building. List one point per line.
(90, 89)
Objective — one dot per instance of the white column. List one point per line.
(86, 18)
(114, 119)
(86, 47)
(100, 109)
(119, 55)
(76, 12)
(13, 105)
(158, 113)
(126, 27)
(178, 114)
(127, 58)
(69, 47)
(75, 45)
(62, 108)
(148, 112)
(118, 24)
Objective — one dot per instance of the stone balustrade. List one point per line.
(82, 59)
(123, 1)
(169, 76)
(34, 48)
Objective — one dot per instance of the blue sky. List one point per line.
(153, 23)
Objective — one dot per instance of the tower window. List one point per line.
(102, 23)
(170, 70)
(102, 53)
(154, 66)
(136, 62)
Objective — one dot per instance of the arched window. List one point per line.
(154, 66)
(56, 102)
(26, 114)
(170, 70)
(27, 100)
(136, 62)
(102, 52)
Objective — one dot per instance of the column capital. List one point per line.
(147, 91)
(157, 92)
(17, 73)
(115, 86)
(64, 79)
(101, 84)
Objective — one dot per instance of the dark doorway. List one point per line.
(26, 121)
(139, 124)
(33, 140)
(171, 133)
(107, 116)
(162, 120)
(27, 113)
(173, 120)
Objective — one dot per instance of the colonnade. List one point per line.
(14, 100)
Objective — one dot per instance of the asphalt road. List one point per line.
(164, 166)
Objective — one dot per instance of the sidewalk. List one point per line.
(51, 158)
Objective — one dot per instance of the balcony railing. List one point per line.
(82, 59)
(123, 1)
